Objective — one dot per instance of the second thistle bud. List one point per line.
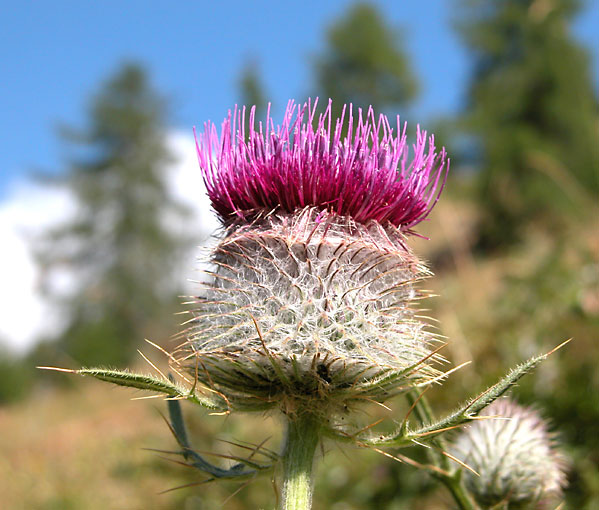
(514, 456)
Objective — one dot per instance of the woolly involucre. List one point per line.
(514, 455)
(311, 305)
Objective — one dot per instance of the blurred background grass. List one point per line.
(514, 244)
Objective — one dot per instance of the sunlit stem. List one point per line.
(453, 481)
(456, 487)
(303, 435)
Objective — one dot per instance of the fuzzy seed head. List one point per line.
(366, 174)
(514, 455)
(311, 306)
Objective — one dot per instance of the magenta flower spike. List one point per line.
(366, 175)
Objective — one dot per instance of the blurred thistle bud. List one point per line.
(514, 456)
(311, 300)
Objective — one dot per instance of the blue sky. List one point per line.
(55, 54)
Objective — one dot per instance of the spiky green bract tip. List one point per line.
(310, 309)
(514, 455)
(154, 384)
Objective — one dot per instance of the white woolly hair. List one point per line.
(310, 299)
(513, 454)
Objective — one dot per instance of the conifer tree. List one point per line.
(533, 112)
(364, 64)
(118, 245)
(252, 88)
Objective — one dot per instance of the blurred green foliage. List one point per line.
(16, 377)
(533, 113)
(364, 63)
(556, 298)
(252, 88)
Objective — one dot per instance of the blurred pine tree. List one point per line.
(533, 112)
(364, 64)
(118, 247)
(252, 88)
(16, 377)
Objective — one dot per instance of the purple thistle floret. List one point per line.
(365, 175)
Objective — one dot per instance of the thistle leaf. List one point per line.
(243, 469)
(466, 413)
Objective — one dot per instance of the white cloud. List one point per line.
(23, 312)
(186, 182)
(187, 186)
(31, 207)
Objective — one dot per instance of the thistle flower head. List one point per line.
(514, 455)
(366, 174)
(311, 300)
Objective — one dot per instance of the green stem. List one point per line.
(303, 435)
(453, 481)
(455, 486)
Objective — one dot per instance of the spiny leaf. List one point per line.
(243, 469)
(465, 413)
